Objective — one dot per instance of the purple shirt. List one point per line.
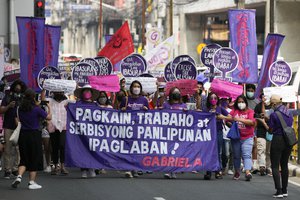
(275, 125)
(175, 106)
(219, 110)
(135, 103)
(31, 120)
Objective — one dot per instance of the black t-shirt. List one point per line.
(9, 116)
(261, 131)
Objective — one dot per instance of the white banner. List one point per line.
(1, 56)
(288, 93)
(153, 38)
(58, 85)
(161, 55)
(149, 84)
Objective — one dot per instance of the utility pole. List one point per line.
(240, 4)
(143, 22)
(272, 15)
(100, 25)
(171, 17)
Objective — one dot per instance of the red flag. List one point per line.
(119, 46)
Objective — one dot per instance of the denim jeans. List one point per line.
(242, 149)
(220, 144)
(227, 154)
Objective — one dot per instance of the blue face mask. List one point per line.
(250, 95)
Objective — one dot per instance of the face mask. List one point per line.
(59, 97)
(213, 102)
(176, 96)
(102, 100)
(87, 95)
(161, 94)
(250, 94)
(136, 91)
(241, 106)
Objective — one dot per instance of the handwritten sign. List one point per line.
(179, 59)
(47, 73)
(108, 83)
(66, 68)
(132, 66)
(186, 86)
(280, 73)
(148, 83)
(288, 93)
(81, 72)
(185, 70)
(105, 66)
(206, 57)
(168, 74)
(59, 85)
(92, 62)
(225, 60)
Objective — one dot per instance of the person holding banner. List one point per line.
(242, 148)
(87, 96)
(280, 150)
(30, 139)
(136, 101)
(174, 103)
(212, 105)
(103, 100)
(159, 96)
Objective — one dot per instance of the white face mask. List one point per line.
(161, 94)
(136, 91)
(241, 106)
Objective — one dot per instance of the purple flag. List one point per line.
(156, 140)
(243, 41)
(31, 45)
(271, 48)
(52, 38)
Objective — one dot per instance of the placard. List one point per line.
(81, 72)
(132, 66)
(280, 73)
(206, 57)
(105, 66)
(148, 84)
(179, 59)
(288, 93)
(168, 74)
(92, 62)
(185, 70)
(47, 73)
(108, 83)
(186, 86)
(58, 85)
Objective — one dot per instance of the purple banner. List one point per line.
(156, 140)
(271, 48)
(31, 45)
(280, 73)
(52, 38)
(243, 41)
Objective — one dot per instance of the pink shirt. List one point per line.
(245, 131)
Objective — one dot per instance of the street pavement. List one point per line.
(113, 186)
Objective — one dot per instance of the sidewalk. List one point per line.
(294, 169)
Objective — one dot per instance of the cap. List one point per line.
(275, 98)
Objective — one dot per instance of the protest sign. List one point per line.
(148, 83)
(225, 60)
(243, 40)
(81, 72)
(186, 86)
(168, 74)
(93, 63)
(48, 73)
(225, 89)
(146, 75)
(105, 65)
(143, 59)
(58, 85)
(206, 57)
(156, 140)
(153, 38)
(108, 83)
(185, 70)
(66, 68)
(132, 66)
(280, 73)
(179, 59)
(288, 93)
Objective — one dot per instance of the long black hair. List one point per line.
(18, 82)
(236, 102)
(131, 87)
(208, 104)
(28, 103)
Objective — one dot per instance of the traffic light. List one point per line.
(39, 8)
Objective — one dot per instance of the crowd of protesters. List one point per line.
(42, 138)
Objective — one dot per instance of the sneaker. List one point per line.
(33, 186)
(248, 177)
(230, 172)
(84, 174)
(16, 182)
(236, 176)
(140, 173)
(167, 176)
(207, 176)
(135, 174)
(173, 176)
(63, 171)
(285, 194)
(278, 195)
(15, 173)
(92, 173)
(47, 169)
(128, 175)
(7, 175)
(219, 175)
(262, 171)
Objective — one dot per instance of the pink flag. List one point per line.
(225, 89)
(109, 83)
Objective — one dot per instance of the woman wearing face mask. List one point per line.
(87, 96)
(174, 103)
(159, 96)
(136, 101)
(244, 116)
(103, 100)
(212, 106)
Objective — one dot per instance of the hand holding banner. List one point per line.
(58, 85)
(108, 83)
(226, 89)
(186, 86)
(148, 83)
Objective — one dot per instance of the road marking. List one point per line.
(294, 183)
(159, 198)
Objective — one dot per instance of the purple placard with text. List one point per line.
(158, 140)
(179, 59)
(206, 57)
(93, 63)
(185, 70)
(280, 73)
(169, 76)
(132, 66)
(81, 72)
(48, 73)
(105, 66)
